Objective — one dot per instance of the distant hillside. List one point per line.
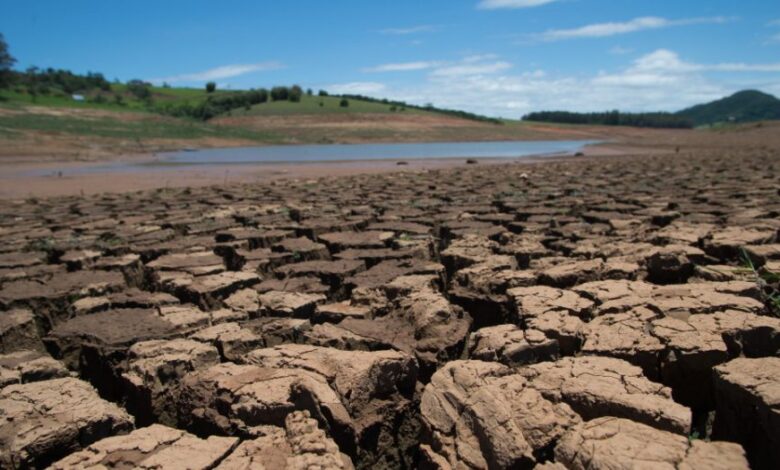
(55, 87)
(744, 106)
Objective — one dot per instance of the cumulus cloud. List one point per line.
(658, 81)
(598, 30)
(402, 67)
(499, 4)
(220, 73)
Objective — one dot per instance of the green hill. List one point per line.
(744, 106)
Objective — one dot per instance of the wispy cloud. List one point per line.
(619, 50)
(470, 67)
(665, 66)
(598, 30)
(220, 73)
(498, 4)
(403, 67)
(356, 88)
(424, 28)
(483, 64)
(775, 38)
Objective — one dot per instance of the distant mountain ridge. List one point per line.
(743, 106)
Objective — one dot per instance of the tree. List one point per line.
(344, 103)
(210, 87)
(139, 89)
(280, 93)
(295, 94)
(309, 92)
(322, 93)
(6, 62)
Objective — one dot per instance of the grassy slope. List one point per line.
(59, 125)
(311, 105)
(143, 127)
(10, 98)
(53, 115)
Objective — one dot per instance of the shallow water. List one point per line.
(312, 154)
(363, 152)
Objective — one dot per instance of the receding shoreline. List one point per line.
(51, 175)
(64, 178)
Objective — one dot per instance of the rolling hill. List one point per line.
(744, 106)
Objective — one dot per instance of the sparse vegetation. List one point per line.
(768, 284)
(428, 107)
(140, 89)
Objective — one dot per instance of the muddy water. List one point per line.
(363, 152)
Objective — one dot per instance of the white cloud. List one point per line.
(774, 22)
(402, 67)
(479, 58)
(774, 39)
(666, 60)
(220, 73)
(424, 28)
(356, 88)
(740, 67)
(471, 67)
(614, 28)
(664, 67)
(483, 64)
(498, 4)
(657, 81)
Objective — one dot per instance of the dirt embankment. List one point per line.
(56, 134)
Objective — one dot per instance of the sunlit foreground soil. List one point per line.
(593, 312)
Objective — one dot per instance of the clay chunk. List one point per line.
(301, 445)
(479, 415)
(153, 447)
(747, 396)
(41, 422)
(607, 443)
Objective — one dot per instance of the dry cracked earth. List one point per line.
(595, 314)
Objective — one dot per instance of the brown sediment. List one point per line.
(564, 313)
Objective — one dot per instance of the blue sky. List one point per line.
(497, 57)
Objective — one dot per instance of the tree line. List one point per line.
(216, 104)
(37, 81)
(613, 118)
(401, 105)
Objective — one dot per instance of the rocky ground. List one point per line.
(601, 313)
